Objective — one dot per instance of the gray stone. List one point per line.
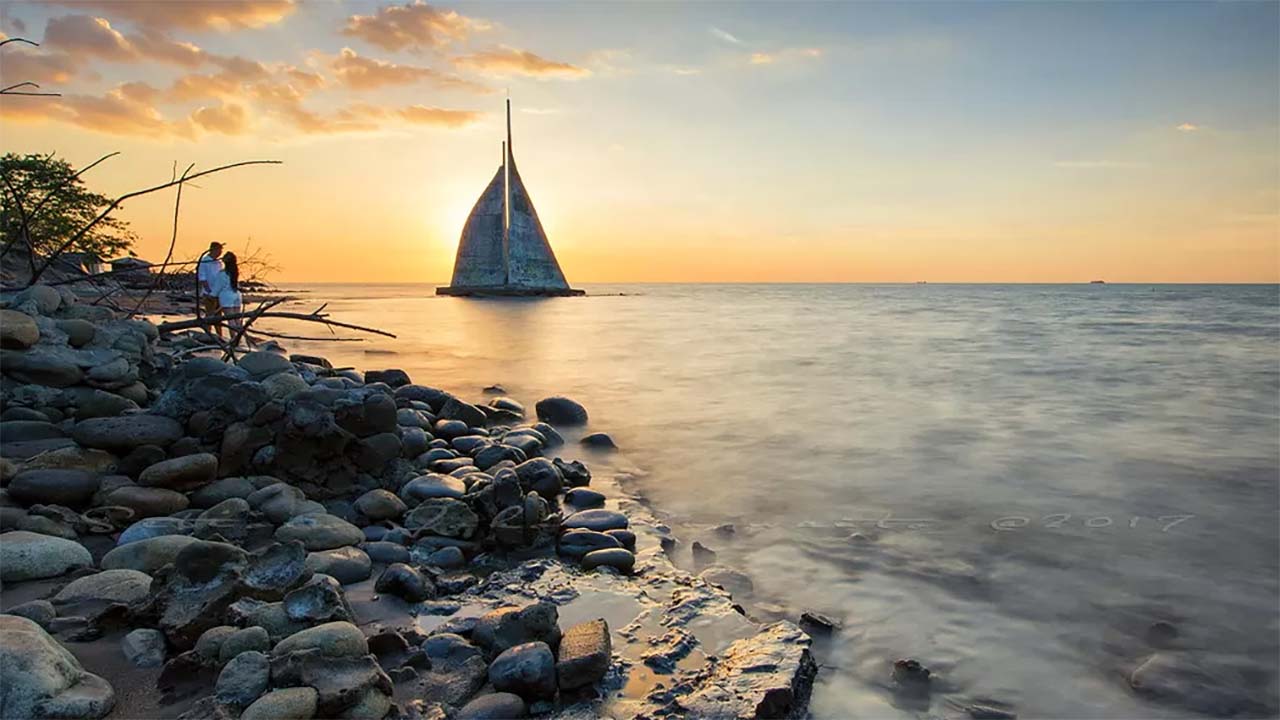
(22, 430)
(455, 409)
(584, 654)
(509, 626)
(147, 555)
(40, 612)
(144, 647)
(386, 552)
(768, 675)
(243, 679)
(297, 703)
(209, 645)
(79, 332)
(278, 502)
(260, 365)
(584, 499)
(277, 570)
(224, 489)
(243, 640)
(577, 543)
(282, 385)
(626, 537)
(17, 330)
(540, 476)
(561, 411)
(183, 473)
(380, 505)
(494, 706)
(43, 680)
(122, 586)
(43, 299)
(528, 670)
(443, 516)
(430, 486)
(618, 558)
(346, 564)
(73, 488)
(31, 556)
(155, 527)
(320, 532)
(126, 432)
(147, 502)
(405, 582)
(229, 519)
(320, 599)
(447, 558)
(41, 367)
(331, 639)
(598, 520)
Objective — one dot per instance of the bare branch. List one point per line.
(6, 41)
(173, 240)
(204, 323)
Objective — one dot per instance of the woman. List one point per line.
(226, 287)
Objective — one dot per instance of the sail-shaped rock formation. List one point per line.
(503, 250)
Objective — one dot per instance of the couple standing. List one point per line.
(219, 284)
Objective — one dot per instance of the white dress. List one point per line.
(228, 297)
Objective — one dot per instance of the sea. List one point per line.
(1029, 489)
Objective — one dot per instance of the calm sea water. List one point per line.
(1010, 483)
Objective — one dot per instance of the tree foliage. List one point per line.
(70, 206)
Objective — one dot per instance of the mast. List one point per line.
(506, 202)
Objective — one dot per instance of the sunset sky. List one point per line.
(864, 142)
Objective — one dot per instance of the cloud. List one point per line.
(1098, 164)
(116, 113)
(226, 119)
(81, 35)
(510, 61)
(416, 26)
(420, 115)
(769, 58)
(221, 15)
(1188, 127)
(22, 65)
(724, 35)
(363, 73)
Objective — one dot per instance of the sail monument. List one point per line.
(503, 250)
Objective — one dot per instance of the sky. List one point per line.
(690, 142)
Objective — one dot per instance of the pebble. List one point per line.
(619, 558)
(182, 473)
(346, 564)
(527, 670)
(243, 679)
(598, 520)
(405, 582)
(320, 532)
(336, 639)
(126, 432)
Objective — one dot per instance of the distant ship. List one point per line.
(1097, 282)
(503, 250)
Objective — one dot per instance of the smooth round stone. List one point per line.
(432, 486)
(405, 582)
(380, 505)
(346, 564)
(243, 679)
(619, 558)
(295, 703)
(73, 488)
(386, 552)
(224, 489)
(449, 429)
(22, 413)
(244, 640)
(599, 441)
(443, 516)
(561, 411)
(447, 558)
(335, 639)
(577, 543)
(494, 706)
(43, 679)
(147, 502)
(144, 647)
(181, 473)
(40, 612)
(527, 670)
(126, 432)
(263, 364)
(79, 332)
(155, 527)
(122, 586)
(468, 444)
(584, 498)
(31, 556)
(598, 520)
(17, 330)
(626, 537)
(320, 532)
(148, 555)
(23, 430)
(209, 644)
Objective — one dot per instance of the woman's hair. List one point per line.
(232, 266)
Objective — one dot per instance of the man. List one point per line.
(206, 271)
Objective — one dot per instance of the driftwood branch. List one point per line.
(206, 322)
(75, 237)
(173, 241)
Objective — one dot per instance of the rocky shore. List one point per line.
(277, 538)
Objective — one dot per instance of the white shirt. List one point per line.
(207, 272)
(220, 287)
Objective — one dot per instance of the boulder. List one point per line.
(40, 612)
(263, 364)
(296, 703)
(320, 599)
(561, 411)
(598, 520)
(599, 441)
(346, 564)
(455, 409)
(243, 679)
(333, 639)
(584, 654)
(155, 527)
(405, 582)
(41, 367)
(430, 486)
(509, 626)
(31, 556)
(73, 488)
(277, 570)
(147, 502)
(443, 516)
(618, 558)
(43, 680)
(17, 330)
(320, 532)
(380, 505)
(768, 675)
(393, 377)
(540, 476)
(182, 473)
(79, 332)
(148, 555)
(144, 647)
(527, 670)
(126, 432)
(584, 499)
(122, 586)
(494, 706)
